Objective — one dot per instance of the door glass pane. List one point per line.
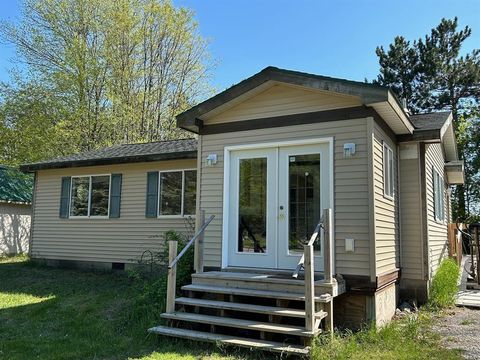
(79, 201)
(100, 194)
(170, 193)
(252, 222)
(304, 199)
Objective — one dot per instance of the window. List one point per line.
(90, 196)
(177, 192)
(388, 178)
(438, 196)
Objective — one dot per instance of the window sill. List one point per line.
(175, 216)
(88, 217)
(391, 198)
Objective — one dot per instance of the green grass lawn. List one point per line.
(48, 313)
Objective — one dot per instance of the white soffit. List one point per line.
(393, 115)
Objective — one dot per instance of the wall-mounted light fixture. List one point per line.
(211, 159)
(348, 150)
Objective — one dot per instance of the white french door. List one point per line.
(276, 197)
(302, 194)
(252, 232)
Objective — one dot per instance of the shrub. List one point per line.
(151, 296)
(444, 285)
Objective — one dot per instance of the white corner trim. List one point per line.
(226, 206)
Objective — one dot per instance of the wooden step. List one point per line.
(254, 277)
(230, 340)
(257, 293)
(260, 309)
(241, 324)
(258, 281)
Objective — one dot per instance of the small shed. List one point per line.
(15, 210)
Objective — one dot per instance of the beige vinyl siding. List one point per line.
(283, 100)
(411, 212)
(437, 232)
(105, 240)
(351, 196)
(15, 222)
(386, 209)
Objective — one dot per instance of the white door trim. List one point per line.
(226, 181)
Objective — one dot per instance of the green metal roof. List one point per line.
(15, 186)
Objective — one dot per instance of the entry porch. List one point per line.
(269, 309)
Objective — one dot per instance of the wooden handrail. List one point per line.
(312, 240)
(308, 261)
(173, 259)
(192, 240)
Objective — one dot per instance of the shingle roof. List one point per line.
(125, 153)
(430, 121)
(15, 186)
(369, 93)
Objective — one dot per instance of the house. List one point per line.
(274, 153)
(15, 211)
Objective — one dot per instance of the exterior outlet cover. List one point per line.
(350, 245)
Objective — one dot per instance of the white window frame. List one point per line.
(88, 216)
(181, 215)
(438, 196)
(388, 172)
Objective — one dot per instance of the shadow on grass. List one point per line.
(73, 314)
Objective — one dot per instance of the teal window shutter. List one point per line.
(152, 195)
(115, 195)
(65, 197)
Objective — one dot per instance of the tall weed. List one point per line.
(444, 285)
(151, 296)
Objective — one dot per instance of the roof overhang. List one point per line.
(447, 137)
(444, 135)
(455, 172)
(393, 114)
(109, 161)
(378, 97)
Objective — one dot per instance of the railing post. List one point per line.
(309, 288)
(328, 244)
(199, 245)
(171, 277)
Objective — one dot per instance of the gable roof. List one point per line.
(430, 121)
(381, 98)
(15, 186)
(120, 154)
(434, 127)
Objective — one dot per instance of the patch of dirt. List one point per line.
(460, 329)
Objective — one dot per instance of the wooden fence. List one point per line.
(455, 242)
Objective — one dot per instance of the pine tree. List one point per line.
(432, 75)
